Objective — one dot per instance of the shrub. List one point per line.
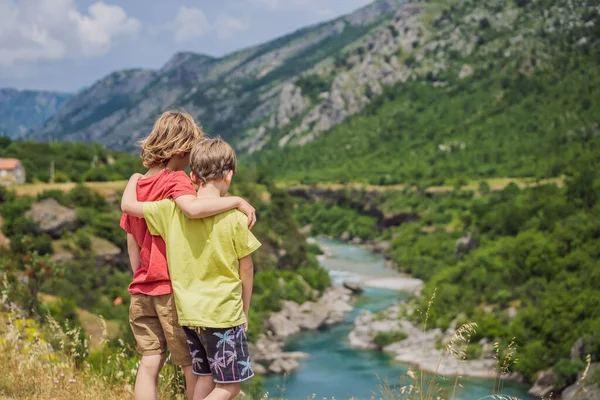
(384, 338)
(83, 196)
(566, 371)
(82, 240)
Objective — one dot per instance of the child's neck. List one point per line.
(172, 165)
(212, 189)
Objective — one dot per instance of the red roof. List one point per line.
(9, 163)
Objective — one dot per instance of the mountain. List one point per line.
(437, 91)
(22, 110)
(240, 96)
(494, 88)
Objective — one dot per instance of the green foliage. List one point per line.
(334, 220)
(25, 273)
(566, 371)
(313, 85)
(84, 196)
(384, 338)
(75, 162)
(473, 351)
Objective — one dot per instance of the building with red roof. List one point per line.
(11, 171)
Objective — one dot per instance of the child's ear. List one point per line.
(193, 178)
(228, 177)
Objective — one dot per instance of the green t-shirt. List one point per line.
(203, 257)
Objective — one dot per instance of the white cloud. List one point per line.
(227, 26)
(314, 6)
(190, 23)
(32, 30)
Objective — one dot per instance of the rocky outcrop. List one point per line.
(374, 65)
(583, 389)
(267, 353)
(544, 384)
(101, 251)
(293, 317)
(464, 245)
(421, 348)
(268, 356)
(52, 218)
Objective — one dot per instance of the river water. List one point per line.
(336, 370)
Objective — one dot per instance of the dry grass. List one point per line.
(107, 189)
(49, 362)
(495, 184)
(33, 369)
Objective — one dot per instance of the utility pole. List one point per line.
(51, 180)
(52, 171)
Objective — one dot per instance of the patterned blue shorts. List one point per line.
(220, 352)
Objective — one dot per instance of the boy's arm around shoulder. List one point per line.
(245, 244)
(193, 207)
(247, 278)
(129, 203)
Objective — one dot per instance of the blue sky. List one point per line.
(68, 44)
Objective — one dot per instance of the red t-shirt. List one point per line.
(152, 276)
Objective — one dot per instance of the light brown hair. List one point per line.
(211, 159)
(174, 132)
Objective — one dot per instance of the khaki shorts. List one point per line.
(153, 320)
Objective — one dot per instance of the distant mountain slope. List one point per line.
(21, 110)
(234, 96)
(437, 90)
(499, 88)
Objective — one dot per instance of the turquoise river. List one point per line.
(334, 369)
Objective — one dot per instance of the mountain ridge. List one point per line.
(222, 93)
(22, 110)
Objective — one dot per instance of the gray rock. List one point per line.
(465, 244)
(52, 218)
(578, 349)
(544, 384)
(281, 366)
(355, 288)
(259, 369)
(583, 389)
(280, 326)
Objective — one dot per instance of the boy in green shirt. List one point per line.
(211, 271)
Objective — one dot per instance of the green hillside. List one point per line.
(528, 111)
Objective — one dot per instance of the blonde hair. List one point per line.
(211, 159)
(174, 132)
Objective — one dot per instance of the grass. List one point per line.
(495, 184)
(49, 361)
(107, 189)
(94, 326)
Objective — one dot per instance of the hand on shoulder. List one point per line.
(135, 177)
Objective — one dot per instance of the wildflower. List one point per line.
(56, 381)
(72, 380)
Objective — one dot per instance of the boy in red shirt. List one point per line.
(152, 312)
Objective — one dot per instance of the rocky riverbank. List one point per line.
(267, 353)
(425, 350)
